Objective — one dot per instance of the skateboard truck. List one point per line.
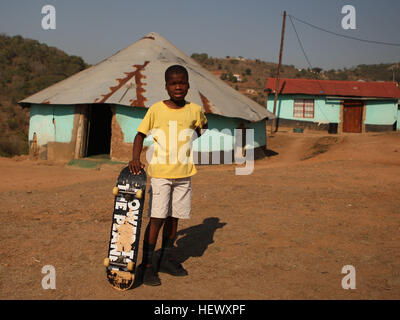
(138, 194)
(129, 266)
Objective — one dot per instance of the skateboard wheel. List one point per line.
(115, 191)
(139, 194)
(130, 266)
(106, 262)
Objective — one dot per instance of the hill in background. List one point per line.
(26, 67)
(250, 76)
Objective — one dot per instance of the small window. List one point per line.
(303, 108)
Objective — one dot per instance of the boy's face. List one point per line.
(177, 86)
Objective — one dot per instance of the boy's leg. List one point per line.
(181, 202)
(168, 237)
(149, 243)
(158, 211)
(150, 240)
(167, 262)
(170, 228)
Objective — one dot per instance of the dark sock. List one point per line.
(148, 250)
(167, 262)
(167, 247)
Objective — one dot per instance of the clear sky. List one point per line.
(96, 29)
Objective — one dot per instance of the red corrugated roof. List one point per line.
(335, 88)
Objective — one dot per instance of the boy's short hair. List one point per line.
(176, 69)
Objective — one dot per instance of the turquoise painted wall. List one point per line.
(221, 138)
(260, 133)
(325, 111)
(398, 118)
(381, 112)
(221, 134)
(41, 122)
(129, 119)
(213, 140)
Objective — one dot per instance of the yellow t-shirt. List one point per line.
(173, 134)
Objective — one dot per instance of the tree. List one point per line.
(232, 78)
(27, 66)
(201, 57)
(317, 70)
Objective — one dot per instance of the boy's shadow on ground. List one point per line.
(194, 242)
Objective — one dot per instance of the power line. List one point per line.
(334, 33)
(344, 36)
(308, 61)
(301, 45)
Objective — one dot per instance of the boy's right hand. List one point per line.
(135, 166)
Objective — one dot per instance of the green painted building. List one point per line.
(336, 106)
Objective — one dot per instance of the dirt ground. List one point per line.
(318, 203)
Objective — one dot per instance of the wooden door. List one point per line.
(81, 143)
(352, 116)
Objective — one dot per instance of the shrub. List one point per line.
(12, 124)
(11, 146)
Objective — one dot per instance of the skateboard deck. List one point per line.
(129, 199)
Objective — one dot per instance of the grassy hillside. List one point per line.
(254, 73)
(26, 67)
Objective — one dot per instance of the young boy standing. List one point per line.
(172, 124)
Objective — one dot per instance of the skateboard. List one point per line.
(129, 199)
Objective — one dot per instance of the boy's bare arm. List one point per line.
(135, 166)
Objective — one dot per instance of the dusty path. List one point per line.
(283, 232)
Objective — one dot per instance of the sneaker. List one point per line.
(172, 267)
(150, 277)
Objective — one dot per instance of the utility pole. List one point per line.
(274, 128)
(394, 67)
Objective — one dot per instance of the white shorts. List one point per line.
(170, 197)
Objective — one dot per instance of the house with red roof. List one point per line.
(336, 106)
